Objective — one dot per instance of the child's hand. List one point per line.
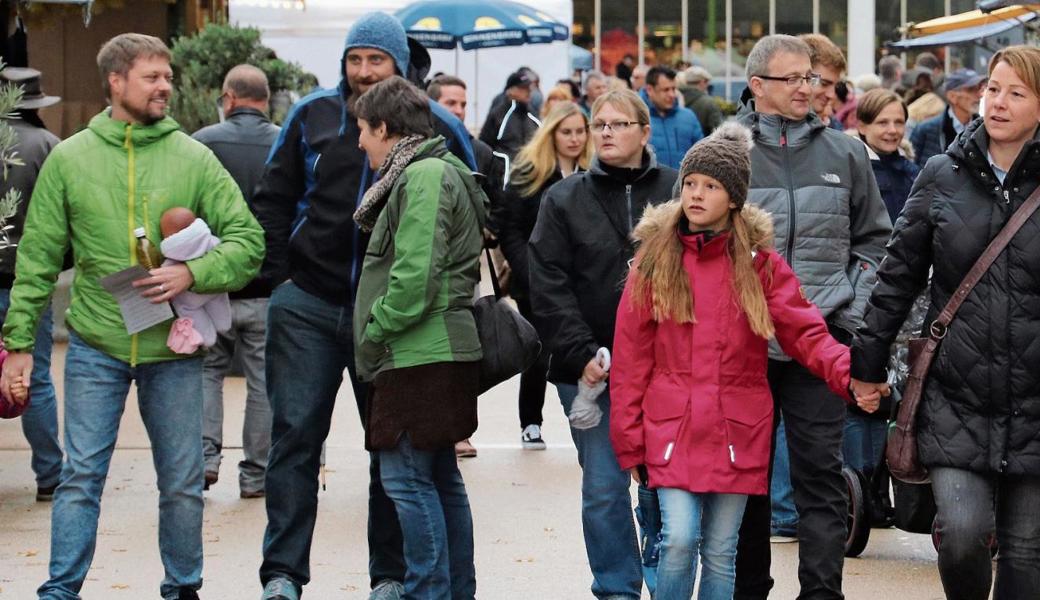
(19, 391)
(868, 395)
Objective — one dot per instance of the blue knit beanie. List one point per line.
(380, 31)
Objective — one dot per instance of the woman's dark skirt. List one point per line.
(436, 404)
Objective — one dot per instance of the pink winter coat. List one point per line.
(691, 401)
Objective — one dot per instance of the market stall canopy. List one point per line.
(964, 34)
(972, 18)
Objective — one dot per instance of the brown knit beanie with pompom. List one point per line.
(724, 155)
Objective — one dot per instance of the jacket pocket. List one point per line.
(664, 411)
(749, 430)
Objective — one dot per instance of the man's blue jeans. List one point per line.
(704, 525)
(40, 420)
(784, 519)
(430, 496)
(309, 345)
(170, 400)
(973, 510)
(606, 507)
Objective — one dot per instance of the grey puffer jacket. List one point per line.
(980, 409)
(831, 224)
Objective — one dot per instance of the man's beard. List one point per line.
(355, 93)
(143, 116)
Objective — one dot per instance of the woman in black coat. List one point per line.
(978, 427)
(560, 148)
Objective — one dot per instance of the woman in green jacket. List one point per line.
(415, 337)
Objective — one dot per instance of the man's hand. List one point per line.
(17, 370)
(593, 372)
(868, 395)
(165, 283)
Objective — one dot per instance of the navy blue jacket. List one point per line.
(895, 176)
(672, 133)
(314, 179)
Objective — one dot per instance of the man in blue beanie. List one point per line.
(315, 177)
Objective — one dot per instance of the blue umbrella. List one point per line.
(474, 24)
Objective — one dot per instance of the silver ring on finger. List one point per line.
(162, 288)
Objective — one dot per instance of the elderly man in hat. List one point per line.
(697, 80)
(40, 420)
(963, 89)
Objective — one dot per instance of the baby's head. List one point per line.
(174, 220)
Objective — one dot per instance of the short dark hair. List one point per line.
(658, 72)
(434, 89)
(397, 104)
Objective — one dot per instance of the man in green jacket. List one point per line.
(130, 165)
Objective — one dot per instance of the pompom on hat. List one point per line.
(383, 32)
(724, 155)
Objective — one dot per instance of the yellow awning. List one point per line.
(972, 18)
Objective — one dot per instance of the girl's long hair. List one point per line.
(661, 278)
(536, 161)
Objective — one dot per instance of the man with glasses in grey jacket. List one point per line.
(831, 227)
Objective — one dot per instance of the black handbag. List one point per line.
(914, 505)
(509, 342)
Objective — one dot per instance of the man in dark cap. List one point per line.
(510, 123)
(931, 137)
(40, 420)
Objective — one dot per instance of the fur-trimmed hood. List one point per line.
(663, 219)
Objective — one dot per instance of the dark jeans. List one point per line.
(814, 420)
(309, 344)
(973, 508)
(532, 381)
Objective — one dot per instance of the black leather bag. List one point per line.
(509, 342)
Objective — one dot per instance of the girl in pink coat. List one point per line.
(689, 397)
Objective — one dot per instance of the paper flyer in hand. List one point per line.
(139, 313)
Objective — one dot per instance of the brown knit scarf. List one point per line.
(374, 200)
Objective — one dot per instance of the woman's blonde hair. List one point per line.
(560, 92)
(536, 161)
(1024, 60)
(626, 101)
(662, 280)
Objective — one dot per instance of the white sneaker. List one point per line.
(531, 438)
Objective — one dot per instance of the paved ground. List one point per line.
(525, 505)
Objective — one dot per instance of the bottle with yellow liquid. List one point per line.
(147, 256)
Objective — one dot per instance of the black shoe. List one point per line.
(211, 478)
(45, 494)
(187, 594)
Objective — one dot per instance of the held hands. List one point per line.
(165, 283)
(16, 372)
(868, 395)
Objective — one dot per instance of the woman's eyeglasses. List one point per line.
(617, 126)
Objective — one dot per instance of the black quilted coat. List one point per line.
(981, 405)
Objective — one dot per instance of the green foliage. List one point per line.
(201, 61)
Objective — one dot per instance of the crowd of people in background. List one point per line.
(723, 302)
